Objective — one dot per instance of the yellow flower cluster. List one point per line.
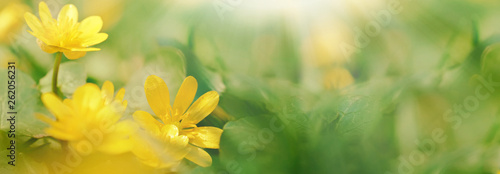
(91, 119)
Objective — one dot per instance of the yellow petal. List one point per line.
(147, 121)
(141, 147)
(91, 25)
(178, 147)
(124, 103)
(337, 78)
(199, 156)
(53, 123)
(42, 40)
(206, 137)
(44, 12)
(68, 15)
(127, 127)
(74, 54)
(120, 94)
(84, 49)
(45, 119)
(94, 39)
(68, 103)
(157, 154)
(185, 96)
(33, 22)
(87, 97)
(107, 91)
(116, 146)
(55, 106)
(60, 134)
(105, 114)
(180, 141)
(201, 108)
(157, 95)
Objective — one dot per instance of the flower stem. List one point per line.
(56, 72)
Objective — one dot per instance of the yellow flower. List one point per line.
(12, 19)
(90, 119)
(65, 34)
(179, 120)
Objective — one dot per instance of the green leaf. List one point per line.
(355, 113)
